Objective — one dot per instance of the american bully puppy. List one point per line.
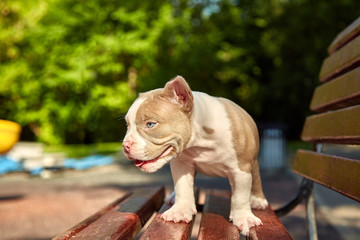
(195, 132)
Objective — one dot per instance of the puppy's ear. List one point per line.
(180, 93)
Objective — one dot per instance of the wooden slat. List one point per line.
(342, 92)
(80, 226)
(125, 220)
(160, 229)
(338, 173)
(341, 126)
(349, 33)
(215, 224)
(272, 227)
(215, 216)
(346, 59)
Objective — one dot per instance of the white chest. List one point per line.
(211, 161)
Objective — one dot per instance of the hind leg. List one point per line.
(240, 213)
(257, 198)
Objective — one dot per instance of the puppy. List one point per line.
(195, 132)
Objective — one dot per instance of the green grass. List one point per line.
(82, 150)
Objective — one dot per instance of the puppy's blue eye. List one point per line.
(150, 124)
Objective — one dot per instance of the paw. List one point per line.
(244, 220)
(258, 203)
(179, 213)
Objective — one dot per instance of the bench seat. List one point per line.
(125, 218)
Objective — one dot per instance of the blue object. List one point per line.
(88, 162)
(9, 165)
(36, 171)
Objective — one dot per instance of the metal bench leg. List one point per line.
(304, 191)
(310, 205)
(310, 215)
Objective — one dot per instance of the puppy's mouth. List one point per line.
(141, 163)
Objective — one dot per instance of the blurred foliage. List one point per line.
(70, 68)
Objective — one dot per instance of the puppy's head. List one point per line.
(159, 125)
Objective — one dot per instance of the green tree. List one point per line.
(77, 66)
(69, 69)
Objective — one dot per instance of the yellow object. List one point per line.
(9, 135)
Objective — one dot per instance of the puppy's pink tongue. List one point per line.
(139, 163)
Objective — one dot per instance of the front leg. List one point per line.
(184, 207)
(240, 213)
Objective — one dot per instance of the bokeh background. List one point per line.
(69, 69)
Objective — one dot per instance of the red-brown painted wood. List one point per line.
(338, 173)
(272, 227)
(345, 36)
(341, 126)
(343, 91)
(126, 219)
(160, 229)
(215, 224)
(80, 226)
(344, 60)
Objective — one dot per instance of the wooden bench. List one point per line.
(124, 219)
(337, 103)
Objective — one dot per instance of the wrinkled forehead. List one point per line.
(131, 114)
(153, 104)
(148, 102)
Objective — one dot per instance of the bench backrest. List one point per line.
(337, 120)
